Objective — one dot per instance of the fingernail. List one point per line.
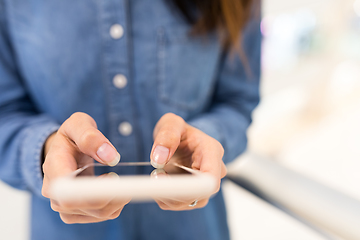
(108, 154)
(112, 175)
(160, 156)
(158, 173)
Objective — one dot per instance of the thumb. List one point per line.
(81, 129)
(167, 137)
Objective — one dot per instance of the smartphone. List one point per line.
(136, 180)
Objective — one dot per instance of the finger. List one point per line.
(82, 130)
(158, 173)
(84, 204)
(173, 204)
(76, 218)
(57, 208)
(92, 204)
(167, 137)
(223, 170)
(180, 206)
(107, 211)
(176, 200)
(208, 158)
(60, 159)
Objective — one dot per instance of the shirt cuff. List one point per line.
(30, 158)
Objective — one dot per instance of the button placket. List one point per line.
(117, 76)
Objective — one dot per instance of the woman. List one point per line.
(91, 79)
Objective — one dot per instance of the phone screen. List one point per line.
(131, 168)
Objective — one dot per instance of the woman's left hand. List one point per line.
(176, 140)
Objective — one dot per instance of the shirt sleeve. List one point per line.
(23, 130)
(236, 95)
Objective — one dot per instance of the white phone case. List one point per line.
(140, 188)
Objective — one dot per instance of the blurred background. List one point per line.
(308, 119)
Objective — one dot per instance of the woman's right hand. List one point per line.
(77, 143)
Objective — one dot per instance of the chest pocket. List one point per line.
(186, 68)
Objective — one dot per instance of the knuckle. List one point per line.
(168, 122)
(103, 213)
(97, 204)
(172, 203)
(217, 186)
(169, 136)
(203, 203)
(172, 117)
(54, 207)
(219, 146)
(224, 169)
(175, 205)
(45, 192)
(88, 136)
(81, 116)
(179, 207)
(45, 167)
(163, 206)
(66, 218)
(45, 188)
(222, 151)
(67, 205)
(78, 115)
(115, 214)
(75, 117)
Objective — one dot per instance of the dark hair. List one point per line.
(227, 16)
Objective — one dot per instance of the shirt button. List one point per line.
(116, 31)
(120, 81)
(125, 128)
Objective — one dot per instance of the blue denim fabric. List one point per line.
(57, 57)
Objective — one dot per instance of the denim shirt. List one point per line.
(125, 63)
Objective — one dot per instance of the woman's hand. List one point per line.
(177, 141)
(75, 144)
